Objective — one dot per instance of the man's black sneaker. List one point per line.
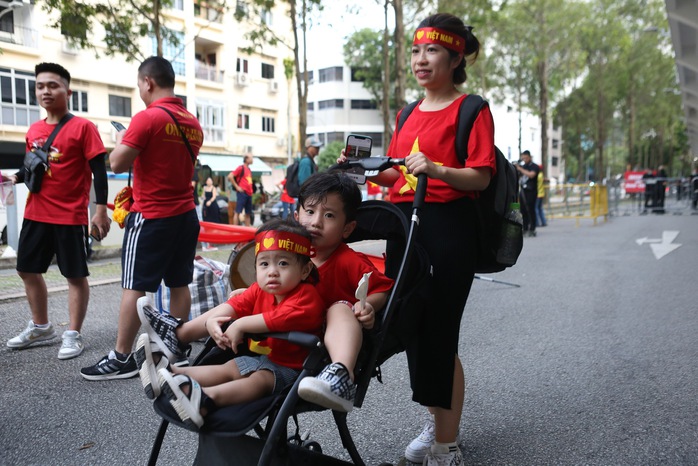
(110, 368)
(161, 329)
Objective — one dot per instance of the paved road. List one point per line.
(591, 361)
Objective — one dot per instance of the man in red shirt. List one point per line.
(162, 228)
(241, 179)
(56, 217)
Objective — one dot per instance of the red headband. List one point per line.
(441, 37)
(273, 240)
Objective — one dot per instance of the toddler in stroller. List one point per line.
(280, 300)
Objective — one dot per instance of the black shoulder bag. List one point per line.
(36, 160)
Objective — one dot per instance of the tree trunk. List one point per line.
(543, 107)
(399, 38)
(385, 103)
(302, 71)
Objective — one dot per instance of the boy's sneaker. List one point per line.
(418, 448)
(160, 328)
(146, 355)
(452, 458)
(110, 368)
(332, 388)
(72, 345)
(32, 334)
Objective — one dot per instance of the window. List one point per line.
(178, 5)
(175, 54)
(332, 103)
(555, 143)
(241, 8)
(211, 118)
(363, 105)
(376, 138)
(266, 17)
(78, 101)
(242, 65)
(267, 71)
(335, 136)
(334, 73)
(311, 106)
(119, 106)
(18, 98)
(267, 124)
(355, 72)
(7, 20)
(243, 121)
(74, 26)
(555, 161)
(310, 76)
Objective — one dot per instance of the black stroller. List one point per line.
(238, 434)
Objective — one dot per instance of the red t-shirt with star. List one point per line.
(434, 133)
(65, 188)
(163, 169)
(301, 310)
(341, 272)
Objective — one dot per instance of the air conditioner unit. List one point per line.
(273, 86)
(281, 142)
(246, 150)
(69, 49)
(243, 79)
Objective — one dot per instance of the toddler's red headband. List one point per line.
(441, 37)
(272, 240)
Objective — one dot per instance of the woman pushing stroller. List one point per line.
(442, 47)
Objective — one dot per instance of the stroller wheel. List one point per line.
(312, 446)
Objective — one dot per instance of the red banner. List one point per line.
(634, 182)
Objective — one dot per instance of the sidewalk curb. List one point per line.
(97, 254)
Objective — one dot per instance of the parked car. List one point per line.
(272, 208)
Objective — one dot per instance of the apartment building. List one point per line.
(339, 105)
(243, 101)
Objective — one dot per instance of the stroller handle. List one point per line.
(382, 163)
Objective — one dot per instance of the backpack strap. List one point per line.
(406, 111)
(467, 114)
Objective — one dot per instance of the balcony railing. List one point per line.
(208, 73)
(21, 36)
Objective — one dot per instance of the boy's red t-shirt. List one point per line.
(163, 169)
(434, 133)
(341, 272)
(301, 310)
(65, 188)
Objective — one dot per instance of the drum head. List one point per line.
(241, 261)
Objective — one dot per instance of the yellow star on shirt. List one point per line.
(410, 179)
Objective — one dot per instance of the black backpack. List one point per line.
(493, 203)
(292, 187)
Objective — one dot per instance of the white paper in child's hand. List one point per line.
(362, 289)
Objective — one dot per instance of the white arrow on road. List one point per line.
(661, 247)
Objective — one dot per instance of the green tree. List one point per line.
(328, 155)
(261, 33)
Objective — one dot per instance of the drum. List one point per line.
(241, 262)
